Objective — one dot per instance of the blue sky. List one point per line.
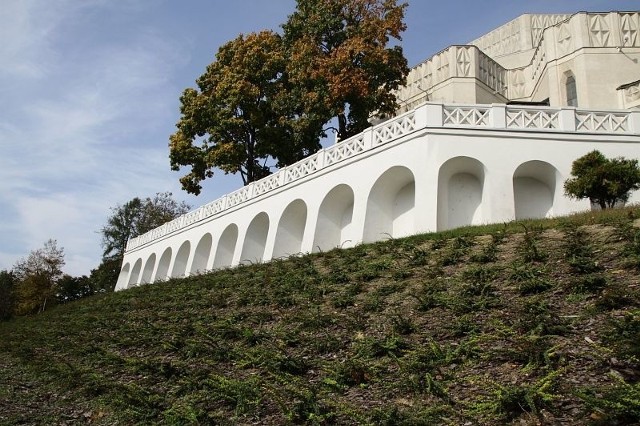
(89, 95)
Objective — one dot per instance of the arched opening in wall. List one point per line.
(390, 206)
(163, 266)
(226, 247)
(148, 269)
(135, 273)
(182, 257)
(255, 240)
(460, 191)
(334, 219)
(123, 277)
(201, 255)
(290, 229)
(534, 188)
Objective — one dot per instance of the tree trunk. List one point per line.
(342, 127)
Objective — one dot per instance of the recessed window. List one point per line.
(572, 94)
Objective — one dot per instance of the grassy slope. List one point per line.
(519, 323)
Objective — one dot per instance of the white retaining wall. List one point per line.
(432, 168)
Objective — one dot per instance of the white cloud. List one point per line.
(82, 127)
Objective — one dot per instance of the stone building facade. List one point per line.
(487, 133)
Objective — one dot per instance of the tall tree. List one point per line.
(7, 284)
(36, 278)
(268, 97)
(129, 220)
(603, 181)
(136, 217)
(71, 288)
(104, 278)
(233, 121)
(340, 63)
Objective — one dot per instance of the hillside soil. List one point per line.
(526, 323)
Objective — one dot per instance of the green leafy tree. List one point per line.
(135, 218)
(104, 278)
(129, 220)
(340, 64)
(7, 283)
(233, 121)
(268, 97)
(36, 278)
(71, 288)
(603, 181)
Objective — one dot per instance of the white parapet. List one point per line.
(435, 167)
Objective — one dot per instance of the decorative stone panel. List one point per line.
(599, 31)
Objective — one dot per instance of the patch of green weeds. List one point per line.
(535, 317)
(307, 406)
(480, 274)
(458, 247)
(373, 269)
(630, 234)
(489, 253)
(530, 278)
(347, 296)
(529, 248)
(369, 347)
(463, 325)
(623, 334)
(511, 401)
(616, 295)
(477, 290)
(350, 372)
(395, 415)
(617, 404)
(429, 295)
(374, 302)
(243, 396)
(589, 284)
(402, 323)
(579, 252)
(418, 257)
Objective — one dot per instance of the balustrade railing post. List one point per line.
(498, 116)
(634, 122)
(420, 117)
(433, 114)
(320, 159)
(367, 138)
(567, 119)
(250, 190)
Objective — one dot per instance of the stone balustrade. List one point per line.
(428, 117)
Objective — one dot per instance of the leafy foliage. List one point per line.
(7, 283)
(267, 97)
(236, 114)
(136, 217)
(105, 276)
(603, 181)
(71, 288)
(36, 278)
(340, 64)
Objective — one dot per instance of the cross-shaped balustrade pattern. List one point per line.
(427, 116)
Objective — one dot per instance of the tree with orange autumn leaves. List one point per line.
(271, 97)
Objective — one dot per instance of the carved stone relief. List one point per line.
(463, 61)
(564, 39)
(599, 31)
(632, 93)
(630, 22)
(518, 83)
